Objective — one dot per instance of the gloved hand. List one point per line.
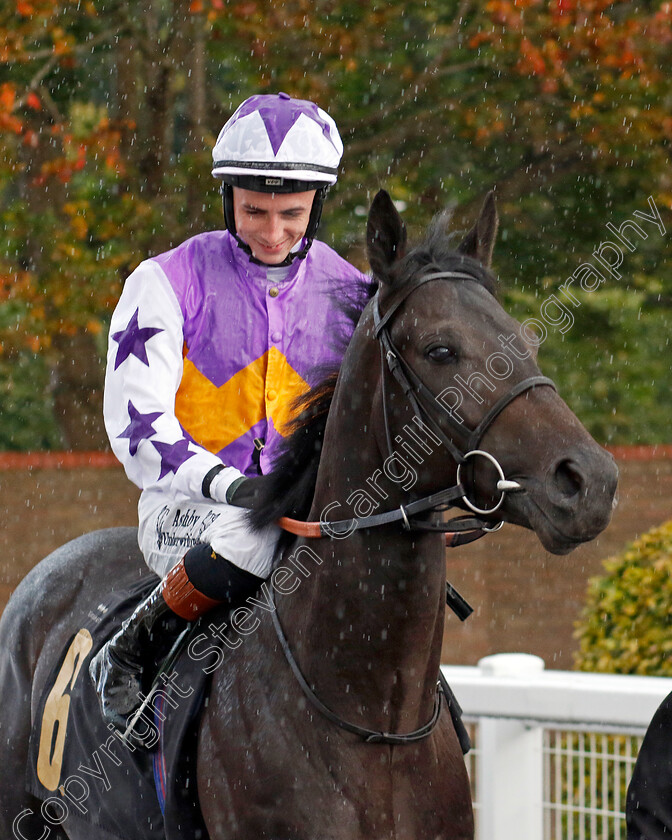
(247, 492)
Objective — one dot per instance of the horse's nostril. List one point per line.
(568, 479)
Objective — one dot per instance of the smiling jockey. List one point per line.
(209, 344)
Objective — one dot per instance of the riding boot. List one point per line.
(124, 666)
(120, 669)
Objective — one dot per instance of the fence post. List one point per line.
(509, 767)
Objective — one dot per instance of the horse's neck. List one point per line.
(367, 623)
(373, 626)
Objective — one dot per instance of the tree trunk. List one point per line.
(126, 104)
(197, 117)
(78, 392)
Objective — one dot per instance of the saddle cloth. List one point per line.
(84, 773)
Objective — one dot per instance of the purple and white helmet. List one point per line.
(273, 139)
(276, 144)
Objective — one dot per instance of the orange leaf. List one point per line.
(11, 123)
(480, 37)
(564, 7)
(33, 101)
(7, 97)
(533, 60)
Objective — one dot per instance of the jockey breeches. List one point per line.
(168, 529)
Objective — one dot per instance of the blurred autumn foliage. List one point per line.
(108, 111)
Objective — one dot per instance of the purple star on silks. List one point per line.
(132, 340)
(279, 118)
(173, 455)
(140, 428)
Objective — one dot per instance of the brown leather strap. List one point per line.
(182, 597)
(301, 529)
(314, 531)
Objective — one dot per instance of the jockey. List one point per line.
(209, 344)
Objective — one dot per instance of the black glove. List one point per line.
(247, 492)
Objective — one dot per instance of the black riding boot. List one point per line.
(120, 668)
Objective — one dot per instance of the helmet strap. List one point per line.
(316, 212)
(227, 204)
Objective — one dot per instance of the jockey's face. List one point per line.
(271, 223)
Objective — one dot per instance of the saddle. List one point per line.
(85, 773)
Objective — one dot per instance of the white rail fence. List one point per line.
(553, 751)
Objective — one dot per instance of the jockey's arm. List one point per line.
(144, 369)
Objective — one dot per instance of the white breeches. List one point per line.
(168, 529)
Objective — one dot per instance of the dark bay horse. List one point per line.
(435, 368)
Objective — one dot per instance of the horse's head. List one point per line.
(457, 359)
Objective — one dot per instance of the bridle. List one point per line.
(422, 401)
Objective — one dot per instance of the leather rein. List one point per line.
(420, 399)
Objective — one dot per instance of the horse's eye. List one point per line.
(442, 355)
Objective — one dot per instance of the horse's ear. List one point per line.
(480, 240)
(385, 235)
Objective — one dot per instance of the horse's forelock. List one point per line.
(438, 252)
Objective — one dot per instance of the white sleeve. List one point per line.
(144, 370)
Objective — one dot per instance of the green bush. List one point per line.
(626, 626)
(26, 405)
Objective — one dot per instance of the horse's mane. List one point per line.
(288, 489)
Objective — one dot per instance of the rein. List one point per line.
(371, 736)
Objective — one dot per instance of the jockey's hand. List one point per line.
(246, 492)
